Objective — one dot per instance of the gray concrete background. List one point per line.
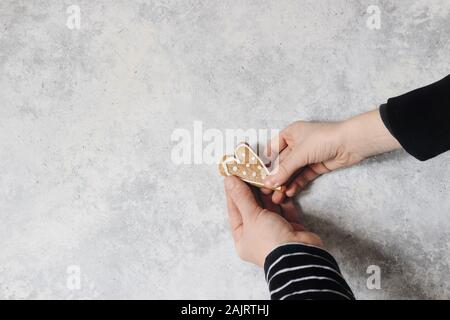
(85, 123)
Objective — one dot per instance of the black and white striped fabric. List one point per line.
(302, 272)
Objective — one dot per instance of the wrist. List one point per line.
(301, 237)
(365, 135)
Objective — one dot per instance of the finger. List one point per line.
(286, 169)
(278, 197)
(290, 212)
(266, 191)
(298, 226)
(234, 217)
(269, 205)
(321, 168)
(275, 145)
(297, 184)
(293, 188)
(242, 197)
(284, 154)
(308, 175)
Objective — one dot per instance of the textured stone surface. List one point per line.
(85, 123)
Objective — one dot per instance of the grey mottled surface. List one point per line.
(85, 123)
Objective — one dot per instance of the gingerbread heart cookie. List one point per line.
(246, 165)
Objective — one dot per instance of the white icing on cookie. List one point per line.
(225, 162)
(253, 156)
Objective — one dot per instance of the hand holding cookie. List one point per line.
(258, 226)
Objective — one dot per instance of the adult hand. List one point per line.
(258, 227)
(307, 150)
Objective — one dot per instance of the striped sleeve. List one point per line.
(302, 272)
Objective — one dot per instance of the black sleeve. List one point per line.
(302, 272)
(420, 120)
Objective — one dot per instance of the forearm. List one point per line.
(365, 135)
(418, 121)
(303, 272)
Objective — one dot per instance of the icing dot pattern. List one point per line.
(247, 171)
(247, 166)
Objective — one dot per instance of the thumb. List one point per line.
(242, 196)
(285, 170)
